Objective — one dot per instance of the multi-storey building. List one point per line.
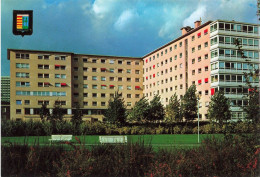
(204, 55)
(5, 97)
(228, 64)
(174, 67)
(66, 78)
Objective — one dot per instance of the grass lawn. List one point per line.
(186, 140)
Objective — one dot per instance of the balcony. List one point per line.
(233, 33)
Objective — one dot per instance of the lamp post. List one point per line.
(198, 99)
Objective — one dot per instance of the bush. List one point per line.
(186, 130)
(177, 130)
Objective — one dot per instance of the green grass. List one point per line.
(154, 140)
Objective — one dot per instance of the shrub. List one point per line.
(186, 130)
(177, 130)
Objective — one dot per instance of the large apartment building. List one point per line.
(204, 55)
(69, 79)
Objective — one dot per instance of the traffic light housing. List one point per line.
(22, 22)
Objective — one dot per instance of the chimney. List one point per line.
(185, 30)
(197, 24)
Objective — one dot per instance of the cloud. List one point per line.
(102, 7)
(196, 15)
(125, 19)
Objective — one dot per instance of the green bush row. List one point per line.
(233, 156)
(31, 128)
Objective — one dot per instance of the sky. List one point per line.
(112, 27)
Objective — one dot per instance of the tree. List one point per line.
(44, 112)
(253, 107)
(189, 104)
(140, 111)
(219, 108)
(156, 110)
(56, 115)
(173, 110)
(116, 111)
(77, 117)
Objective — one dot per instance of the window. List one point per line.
(22, 75)
(199, 47)
(18, 111)
(193, 60)
(206, 44)
(85, 77)
(193, 72)
(94, 61)
(85, 60)
(181, 86)
(206, 56)
(103, 61)
(76, 68)
(23, 65)
(94, 95)
(85, 94)
(103, 95)
(193, 38)
(129, 104)
(111, 70)
(180, 44)
(120, 87)
(94, 69)
(94, 78)
(94, 87)
(193, 50)
(129, 87)
(27, 102)
(181, 65)
(128, 62)
(103, 78)
(111, 61)
(120, 62)
(22, 84)
(103, 103)
(76, 77)
(120, 70)
(22, 56)
(85, 103)
(137, 95)
(120, 79)
(94, 103)
(137, 72)
(111, 78)
(180, 55)
(85, 69)
(137, 79)
(199, 70)
(199, 59)
(206, 68)
(128, 95)
(136, 63)
(128, 79)
(18, 102)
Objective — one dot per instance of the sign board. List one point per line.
(22, 22)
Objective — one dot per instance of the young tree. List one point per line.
(140, 111)
(44, 112)
(77, 117)
(156, 110)
(189, 104)
(116, 111)
(173, 110)
(219, 108)
(56, 115)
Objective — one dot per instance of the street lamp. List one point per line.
(198, 99)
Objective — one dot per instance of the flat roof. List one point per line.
(233, 21)
(70, 53)
(179, 38)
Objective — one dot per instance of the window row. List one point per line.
(39, 93)
(199, 47)
(232, 78)
(23, 65)
(104, 61)
(232, 40)
(206, 68)
(103, 95)
(234, 27)
(234, 66)
(22, 56)
(234, 53)
(22, 75)
(22, 84)
(111, 70)
(234, 90)
(103, 78)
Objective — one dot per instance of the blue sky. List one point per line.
(112, 27)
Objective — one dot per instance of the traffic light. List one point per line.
(22, 22)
